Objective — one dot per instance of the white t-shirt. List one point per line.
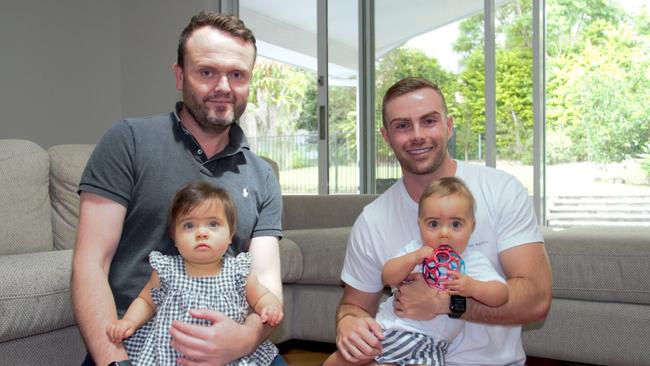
(442, 327)
(504, 219)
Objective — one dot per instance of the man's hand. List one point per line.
(414, 299)
(358, 338)
(223, 341)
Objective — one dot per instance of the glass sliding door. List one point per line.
(597, 113)
(514, 89)
(440, 41)
(343, 90)
(281, 119)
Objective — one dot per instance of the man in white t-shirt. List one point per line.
(417, 128)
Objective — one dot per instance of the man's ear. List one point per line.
(384, 134)
(178, 75)
(450, 127)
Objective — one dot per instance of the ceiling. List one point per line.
(286, 29)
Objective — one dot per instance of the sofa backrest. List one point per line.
(67, 163)
(25, 221)
(322, 211)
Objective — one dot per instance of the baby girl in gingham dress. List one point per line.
(201, 277)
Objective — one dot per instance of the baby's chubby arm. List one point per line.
(263, 301)
(139, 312)
(490, 293)
(398, 268)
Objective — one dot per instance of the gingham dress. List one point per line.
(178, 293)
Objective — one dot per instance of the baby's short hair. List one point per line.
(192, 194)
(448, 186)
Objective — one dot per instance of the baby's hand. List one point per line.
(459, 284)
(272, 315)
(120, 330)
(425, 252)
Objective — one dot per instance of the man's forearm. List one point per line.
(525, 304)
(350, 310)
(259, 330)
(94, 309)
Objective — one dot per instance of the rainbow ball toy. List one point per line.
(435, 269)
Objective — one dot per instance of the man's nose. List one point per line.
(417, 132)
(223, 84)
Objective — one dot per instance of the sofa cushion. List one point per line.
(34, 293)
(67, 162)
(323, 252)
(25, 221)
(600, 263)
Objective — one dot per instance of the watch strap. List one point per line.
(121, 363)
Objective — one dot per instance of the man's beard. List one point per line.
(207, 119)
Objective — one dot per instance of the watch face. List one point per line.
(457, 304)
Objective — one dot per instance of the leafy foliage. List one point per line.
(597, 88)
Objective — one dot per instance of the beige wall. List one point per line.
(70, 68)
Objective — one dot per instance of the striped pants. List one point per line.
(409, 348)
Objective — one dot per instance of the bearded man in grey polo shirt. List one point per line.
(135, 170)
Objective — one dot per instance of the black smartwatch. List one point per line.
(121, 363)
(457, 306)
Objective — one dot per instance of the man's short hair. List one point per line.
(228, 24)
(408, 85)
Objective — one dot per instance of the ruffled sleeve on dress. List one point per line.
(163, 265)
(242, 263)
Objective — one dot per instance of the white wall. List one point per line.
(70, 68)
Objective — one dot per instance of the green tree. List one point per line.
(276, 95)
(513, 75)
(600, 97)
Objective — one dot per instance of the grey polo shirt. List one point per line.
(140, 163)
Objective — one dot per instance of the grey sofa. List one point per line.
(600, 312)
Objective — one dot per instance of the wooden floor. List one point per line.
(301, 353)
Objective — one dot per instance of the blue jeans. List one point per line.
(278, 361)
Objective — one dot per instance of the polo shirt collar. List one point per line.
(237, 141)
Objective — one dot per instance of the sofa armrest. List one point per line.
(323, 253)
(34, 293)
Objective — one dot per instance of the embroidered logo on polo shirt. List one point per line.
(244, 192)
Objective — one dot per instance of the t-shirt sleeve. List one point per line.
(517, 223)
(109, 171)
(479, 268)
(270, 215)
(361, 269)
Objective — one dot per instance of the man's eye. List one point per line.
(236, 75)
(401, 126)
(206, 73)
(428, 121)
